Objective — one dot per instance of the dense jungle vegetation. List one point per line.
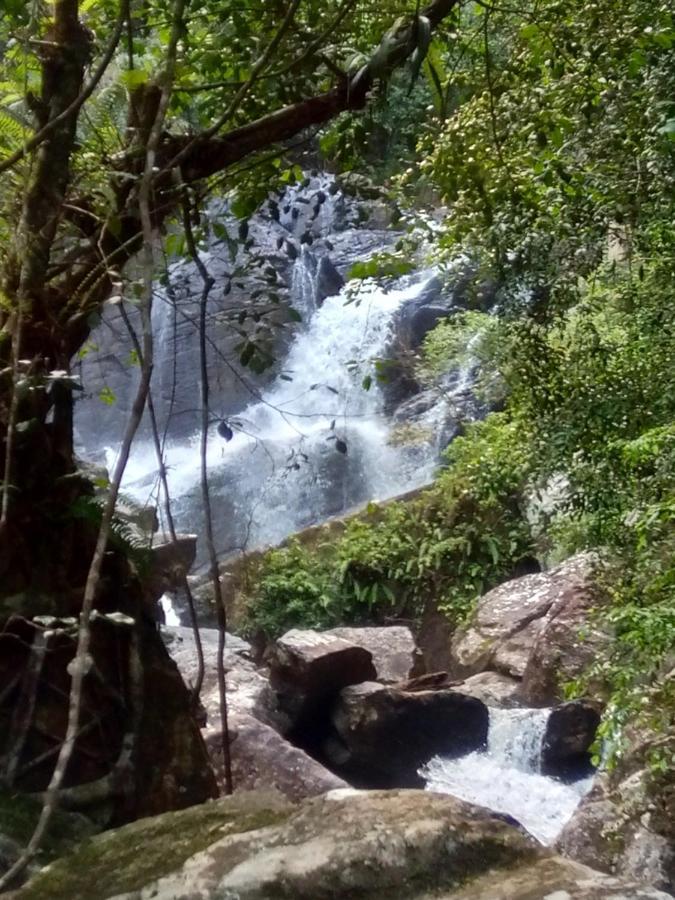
(546, 132)
(552, 144)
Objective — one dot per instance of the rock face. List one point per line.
(570, 731)
(392, 648)
(248, 689)
(393, 845)
(386, 734)
(308, 669)
(551, 879)
(530, 628)
(136, 700)
(626, 824)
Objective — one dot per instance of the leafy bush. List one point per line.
(456, 539)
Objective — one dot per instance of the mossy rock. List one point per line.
(19, 815)
(128, 858)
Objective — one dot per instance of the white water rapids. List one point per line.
(506, 776)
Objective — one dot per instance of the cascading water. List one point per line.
(315, 442)
(506, 777)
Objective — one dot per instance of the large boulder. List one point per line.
(539, 628)
(626, 824)
(386, 734)
(373, 845)
(393, 649)
(570, 731)
(139, 750)
(308, 669)
(263, 760)
(493, 689)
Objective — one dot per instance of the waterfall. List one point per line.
(316, 442)
(506, 777)
(321, 438)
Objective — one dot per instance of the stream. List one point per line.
(506, 776)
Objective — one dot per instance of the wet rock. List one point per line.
(386, 734)
(329, 282)
(570, 731)
(539, 628)
(263, 760)
(392, 647)
(308, 669)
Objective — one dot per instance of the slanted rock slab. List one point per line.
(262, 760)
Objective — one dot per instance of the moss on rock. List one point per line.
(133, 856)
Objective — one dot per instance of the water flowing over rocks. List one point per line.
(285, 421)
(393, 845)
(506, 775)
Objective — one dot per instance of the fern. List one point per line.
(126, 533)
(13, 128)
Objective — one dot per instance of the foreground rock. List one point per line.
(538, 629)
(18, 818)
(551, 878)
(384, 734)
(393, 649)
(371, 845)
(308, 669)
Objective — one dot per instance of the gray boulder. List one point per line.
(308, 669)
(392, 647)
(262, 760)
(539, 628)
